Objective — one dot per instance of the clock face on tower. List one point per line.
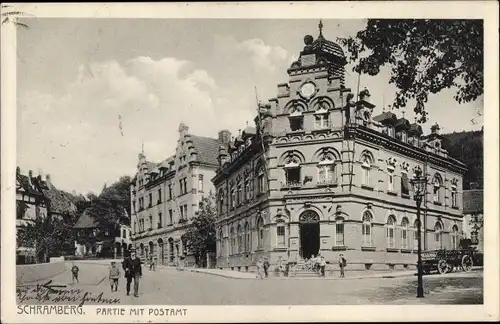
(307, 90)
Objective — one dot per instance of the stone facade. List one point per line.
(166, 195)
(319, 174)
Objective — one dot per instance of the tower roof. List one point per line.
(323, 46)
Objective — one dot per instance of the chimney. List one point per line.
(30, 176)
(225, 136)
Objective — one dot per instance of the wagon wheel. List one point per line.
(442, 267)
(467, 263)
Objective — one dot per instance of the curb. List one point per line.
(384, 276)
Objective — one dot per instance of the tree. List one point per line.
(200, 238)
(425, 56)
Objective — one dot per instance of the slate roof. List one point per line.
(86, 221)
(59, 202)
(415, 129)
(207, 149)
(473, 201)
(34, 189)
(385, 116)
(402, 123)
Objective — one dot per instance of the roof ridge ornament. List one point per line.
(320, 27)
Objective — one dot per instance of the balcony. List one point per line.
(291, 185)
(327, 183)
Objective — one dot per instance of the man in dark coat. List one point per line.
(133, 270)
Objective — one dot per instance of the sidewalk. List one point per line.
(348, 275)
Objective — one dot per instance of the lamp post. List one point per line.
(419, 184)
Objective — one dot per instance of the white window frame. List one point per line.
(405, 233)
(454, 237)
(200, 182)
(337, 241)
(391, 232)
(321, 119)
(292, 166)
(454, 196)
(326, 171)
(366, 167)
(367, 224)
(390, 179)
(280, 224)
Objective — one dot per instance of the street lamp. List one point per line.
(419, 184)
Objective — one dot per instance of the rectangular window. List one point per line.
(321, 121)
(404, 238)
(200, 183)
(339, 234)
(150, 200)
(261, 183)
(390, 237)
(186, 211)
(170, 216)
(390, 182)
(405, 184)
(296, 124)
(182, 212)
(281, 235)
(160, 220)
(454, 197)
(170, 194)
(367, 236)
(293, 176)
(181, 185)
(247, 190)
(239, 196)
(185, 186)
(233, 198)
(159, 196)
(436, 194)
(366, 176)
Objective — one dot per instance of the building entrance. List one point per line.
(309, 234)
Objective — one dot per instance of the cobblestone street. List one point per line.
(172, 287)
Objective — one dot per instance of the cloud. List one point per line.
(259, 53)
(77, 137)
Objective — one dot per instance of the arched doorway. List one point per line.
(309, 233)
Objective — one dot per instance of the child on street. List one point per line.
(114, 274)
(74, 272)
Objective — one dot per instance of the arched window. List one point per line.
(366, 163)
(437, 183)
(454, 237)
(454, 195)
(438, 235)
(367, 228)
(233, 196)
(239, 196)
(261, 183)
(247, 188)
(260, 233)
(415, 235)
(404, 233)
(292, 170)
(221, 243)
(240, 239)
(391, 230)
(221, 201)
(233, 240)
(248, 246)
(280, 233)
(339, 231)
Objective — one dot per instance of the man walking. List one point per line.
(133, 270)
(342, 264)
(266, 267)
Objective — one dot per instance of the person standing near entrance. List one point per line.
(266, 267)
(322, 265)
(133, 270)
(342, 264)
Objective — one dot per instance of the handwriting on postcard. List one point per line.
(53, 294)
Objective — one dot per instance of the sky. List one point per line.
(91, 91)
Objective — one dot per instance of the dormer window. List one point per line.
(390, 131)
(404, 137)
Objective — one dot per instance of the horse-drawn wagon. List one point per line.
(444, 261)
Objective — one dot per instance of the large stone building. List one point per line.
(320, 174)
(166, 195)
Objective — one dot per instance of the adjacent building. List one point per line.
(166, 195)
(321, 174)
(473, 222)
(30, 204)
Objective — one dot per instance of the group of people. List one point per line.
(318, 264)
(263, 268)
